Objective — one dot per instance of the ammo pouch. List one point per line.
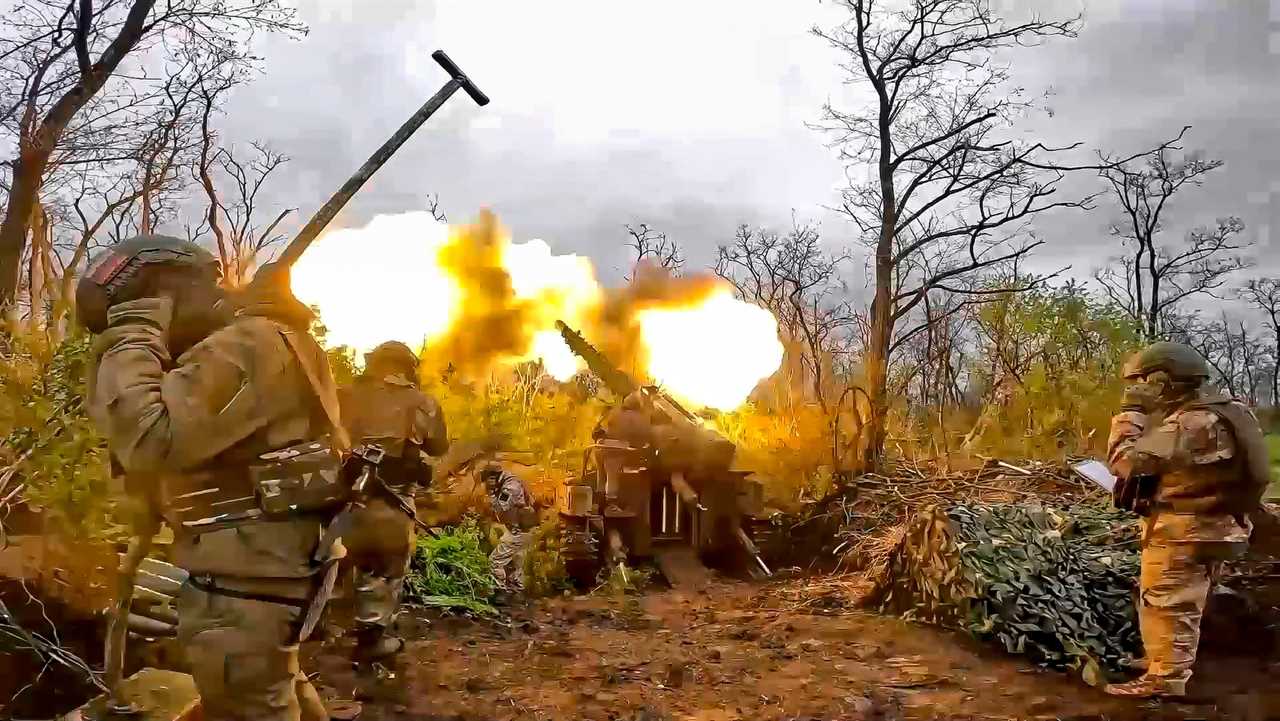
(300, 479)
(1135, 494)
(303, 479)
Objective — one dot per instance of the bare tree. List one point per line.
(247, 241)
(433, 207)
(1150, 279)
(55, 61)
(947, 170)
(1264, 295)
(653, 246)
(799, 282)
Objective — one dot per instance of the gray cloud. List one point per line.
(694, 120)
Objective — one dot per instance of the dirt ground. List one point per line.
(741, 651)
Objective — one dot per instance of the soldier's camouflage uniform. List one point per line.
(512, 505)
(391, 411)
(1191, 530)
(259, 384)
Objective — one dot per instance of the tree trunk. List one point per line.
(877, 360)
(36, 147)
(28, 173)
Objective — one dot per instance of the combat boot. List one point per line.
(1150, 687)
(375, 644)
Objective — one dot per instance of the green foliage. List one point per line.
(1050, 358)
(544, 571)
(49, 443)
(450, 569)
(789, 451)
(621, 580)
(1054, 584)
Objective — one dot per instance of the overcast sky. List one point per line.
(691, 115)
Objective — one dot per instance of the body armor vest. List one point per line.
(1234, 486)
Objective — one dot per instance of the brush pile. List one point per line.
(1055, 584)
(1029, 556)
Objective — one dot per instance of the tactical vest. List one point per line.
(384, 411)
(1234, 486)
(304, 479)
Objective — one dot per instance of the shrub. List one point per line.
(450, 569)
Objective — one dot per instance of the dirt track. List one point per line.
(741, 652)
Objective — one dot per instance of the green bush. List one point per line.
(450, 569)
(49, 445)
(544, 571)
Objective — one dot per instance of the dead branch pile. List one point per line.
(1056, 584)
(866, 519)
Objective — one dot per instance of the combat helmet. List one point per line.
(110, 275)
(1180, 361)
(490, 470)
(393, 354)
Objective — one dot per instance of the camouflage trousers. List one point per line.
(1174, 585)
(506, 563)
(243, 658)
(379, 548)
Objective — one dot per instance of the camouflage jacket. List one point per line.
(392, 412)
(253, 386)
(1197, 456)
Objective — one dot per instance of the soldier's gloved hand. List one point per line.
(1140, 397)
(143, 322)
(155, 313)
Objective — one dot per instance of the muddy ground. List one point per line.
(742, 651)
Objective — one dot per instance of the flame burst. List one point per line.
(713, 352)
(477, 300)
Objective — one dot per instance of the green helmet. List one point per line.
(110, 276)
(1180, 361)
(393, 354)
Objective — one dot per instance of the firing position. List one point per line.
(513, 505)
(185, 391)
(384, 406)
(1195, 476)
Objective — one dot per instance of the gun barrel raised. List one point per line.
(618, 382)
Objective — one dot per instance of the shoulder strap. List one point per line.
(321, 381)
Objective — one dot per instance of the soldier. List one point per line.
(1193, 463)
(385, 406)
(513, 505)
(186, 392)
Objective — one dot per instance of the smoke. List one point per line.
(481, 303)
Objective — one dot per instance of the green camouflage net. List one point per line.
(1054, 584)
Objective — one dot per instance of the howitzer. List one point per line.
(619, 383)
(657, 483)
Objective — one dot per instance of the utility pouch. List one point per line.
(304, 478)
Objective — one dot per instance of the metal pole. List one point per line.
(380, 156)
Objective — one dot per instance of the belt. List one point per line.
(206, 584)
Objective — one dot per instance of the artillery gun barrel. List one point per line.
(618, 382)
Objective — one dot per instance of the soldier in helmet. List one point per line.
(1193, 463)
(384, 406)
(513, 504)
(193, 396)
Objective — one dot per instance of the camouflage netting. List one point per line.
(1056, 584)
